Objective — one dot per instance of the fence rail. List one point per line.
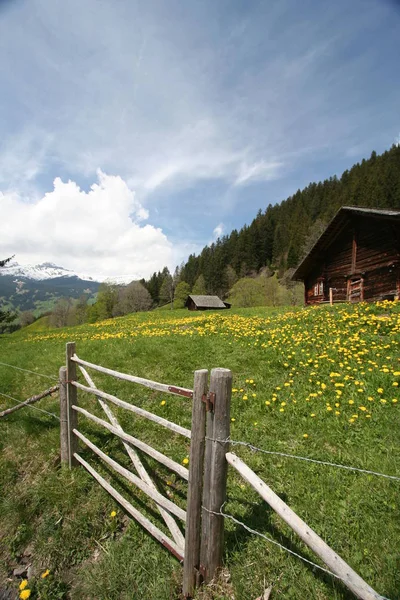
(339, 567)
(154, 385)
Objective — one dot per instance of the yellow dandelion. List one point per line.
(267, 402)
(305, 435)
(245, 397)
(24, 595)
(23, 584)
(312, 415)
(163, 402)
(45, 574)
(185, 461)
(233, 419)
(394, 400)
(113, 514)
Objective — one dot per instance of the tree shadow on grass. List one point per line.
(35, 423)
(258, 516)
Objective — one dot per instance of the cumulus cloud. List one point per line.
(99, 232)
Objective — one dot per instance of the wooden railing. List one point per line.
(200, 548)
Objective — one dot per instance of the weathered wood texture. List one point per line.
(144, 522)
(135, 409)
(137, 463)
(334, 562)
(153, 385)
(221, 386)
(156, 496)
(72, 399)
(29, 401)
(64, 445)
(196, 465)
(361, 264)
(161, 458)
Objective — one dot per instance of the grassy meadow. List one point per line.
(317, 382)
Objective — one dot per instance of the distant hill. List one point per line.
(38, 288)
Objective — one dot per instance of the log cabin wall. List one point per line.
(362, 264)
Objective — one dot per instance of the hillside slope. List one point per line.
(320, 383)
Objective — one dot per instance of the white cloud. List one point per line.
(99, 232)
(218, 231)
(258, 171)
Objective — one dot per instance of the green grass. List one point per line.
(286, 364)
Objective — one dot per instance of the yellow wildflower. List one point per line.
(23, 584)
(24, 595)
(45, 574)
(113, 514)
(163, 402)
(185, 461)
(305, 435)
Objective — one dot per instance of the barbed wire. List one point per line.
(312, 460)
(268, 539)
(31, 406)
(28, 371)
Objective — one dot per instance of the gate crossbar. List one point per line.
(135, 409)
(148, 525)
(168, 462)
(146, 489)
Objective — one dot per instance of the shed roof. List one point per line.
(206, 301)
(342, 218)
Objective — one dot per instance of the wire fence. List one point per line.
(51, 377)
(304, 458)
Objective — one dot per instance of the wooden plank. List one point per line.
(191, 565)
(29, 401)
(221, 385)
(144, 522)
(205, 517)
(333, 561)
(168, 462)
(153, 385)
(72, 398)
(156, 496)
(135, 409)
(64, 455)
(137, 463)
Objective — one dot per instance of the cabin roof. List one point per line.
(206, 301)
(342, 218)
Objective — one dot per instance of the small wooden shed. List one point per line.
(356, 259)
(205, 303)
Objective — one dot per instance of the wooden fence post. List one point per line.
(215, 469)
(63, 416)
(191, 566)
(72, 398)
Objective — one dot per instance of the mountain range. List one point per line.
(38, 287)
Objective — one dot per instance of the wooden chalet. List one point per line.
(356, 259)
(205, 303)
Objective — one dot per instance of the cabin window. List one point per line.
(319, 289)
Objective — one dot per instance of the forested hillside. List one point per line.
(280, 235)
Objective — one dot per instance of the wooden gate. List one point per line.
(200, 547)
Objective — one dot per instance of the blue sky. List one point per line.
(175, 121)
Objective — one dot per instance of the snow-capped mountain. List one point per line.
(40, 272)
